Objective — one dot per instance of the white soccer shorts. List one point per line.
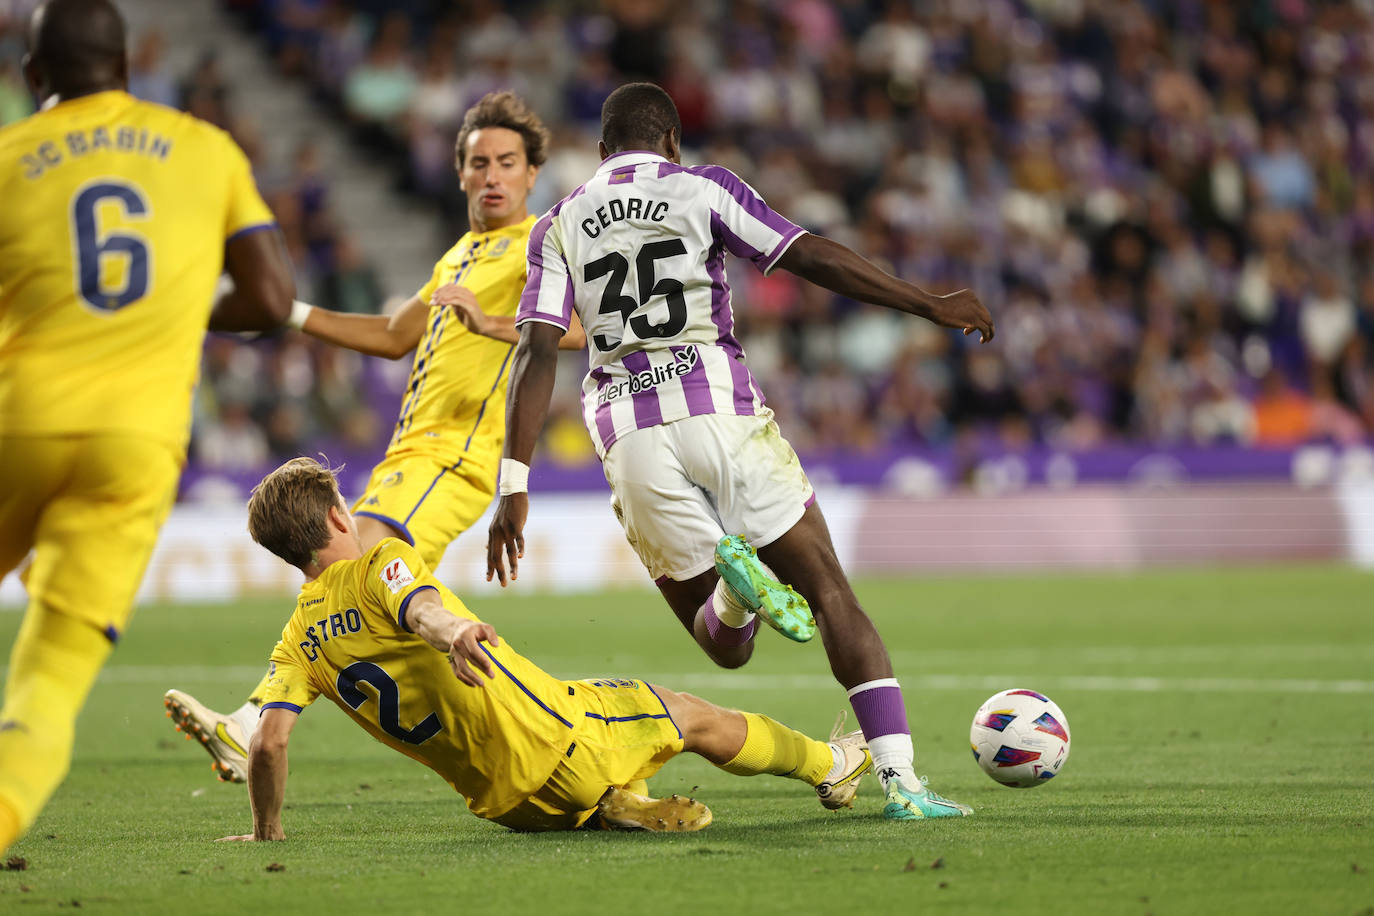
(678, 488)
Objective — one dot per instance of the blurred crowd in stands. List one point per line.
(1167, 204)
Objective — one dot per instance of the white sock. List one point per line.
(729, 611)
(837, 770)
(892, 759)
(246, 718)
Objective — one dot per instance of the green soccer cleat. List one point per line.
(905, 805)
(750, 584)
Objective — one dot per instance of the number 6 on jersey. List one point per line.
(98, 260)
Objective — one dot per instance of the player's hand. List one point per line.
(962, 310)
(506, 536)
(465, 653)
(464, 304)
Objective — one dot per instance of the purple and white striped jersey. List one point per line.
(639, 251)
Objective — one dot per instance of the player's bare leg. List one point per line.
(225, 736)
(805, 557)
(695, 602)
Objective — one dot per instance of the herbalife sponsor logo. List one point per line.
(684, 361)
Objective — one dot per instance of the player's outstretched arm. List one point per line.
(391, 336)
(260, 298)
(456, 636)
(527, 406)
(267, 773)
(837, 268)
(498, 327)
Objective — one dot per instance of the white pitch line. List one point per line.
(179, 675)
(721, 681)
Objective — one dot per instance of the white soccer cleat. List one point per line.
(840, 792)
(220, 735)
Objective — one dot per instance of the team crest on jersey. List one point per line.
(396, 575)
(499, 248)
(392, 479)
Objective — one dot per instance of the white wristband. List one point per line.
(300, 311)
(515, 477)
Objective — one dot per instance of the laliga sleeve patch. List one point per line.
(396, 575)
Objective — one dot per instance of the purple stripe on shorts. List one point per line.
(881, 711)
(647, 412)
(720, 633)
(696, 387)
(810, 500)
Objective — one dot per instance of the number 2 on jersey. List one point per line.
(93, 250)
(613, 299)
(388, 702)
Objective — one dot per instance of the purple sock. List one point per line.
(723, 634)
(880, 709)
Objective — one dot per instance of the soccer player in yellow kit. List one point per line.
(439, 471)
(402, 656)
(117, 220)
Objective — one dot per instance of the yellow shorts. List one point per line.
(90, 507)
(627, 735)
(430, 502)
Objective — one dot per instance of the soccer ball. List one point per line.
(1020, 738)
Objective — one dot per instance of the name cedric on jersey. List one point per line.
(615, 210)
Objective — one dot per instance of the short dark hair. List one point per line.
(78, 44)
(508, 110)
(288, 512)
(636, 116)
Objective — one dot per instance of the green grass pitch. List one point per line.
(1223, 731)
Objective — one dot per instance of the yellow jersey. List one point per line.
(112, 230)
(455, 401)
(347, 639)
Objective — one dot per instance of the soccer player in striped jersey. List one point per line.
(439, 471)
(117, 217)
(525, 749)
(692, 455)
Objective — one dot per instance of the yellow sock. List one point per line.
(771, 747)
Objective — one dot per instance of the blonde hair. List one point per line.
(508, 110)
(288, 512)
